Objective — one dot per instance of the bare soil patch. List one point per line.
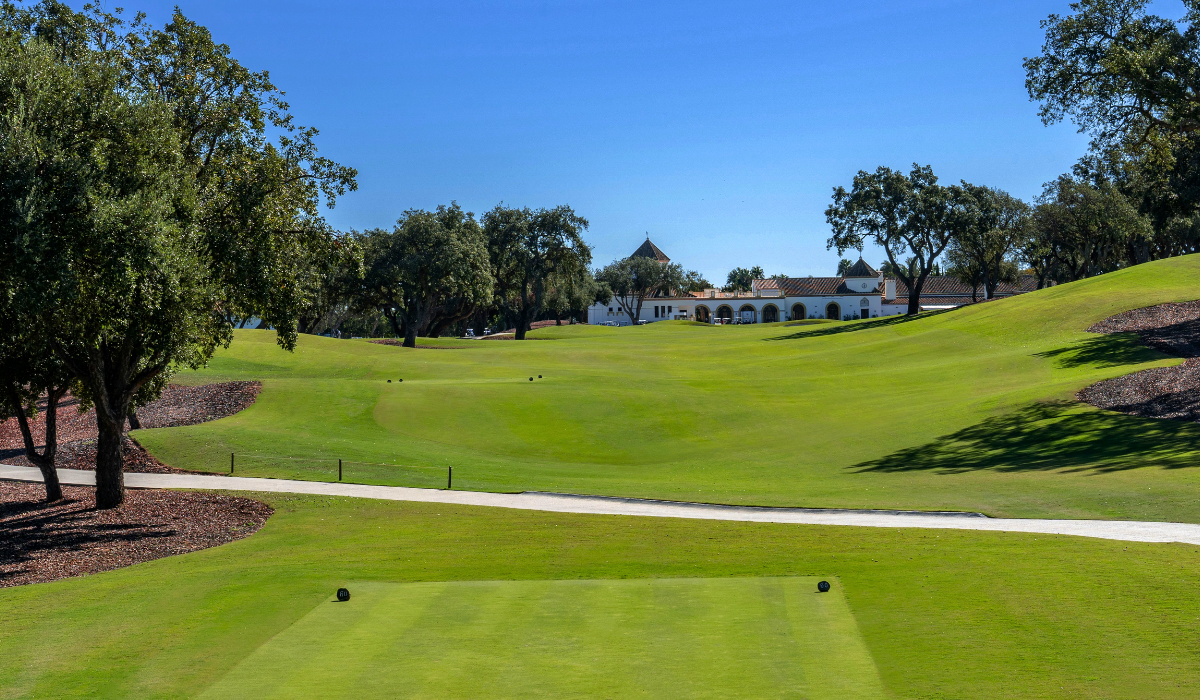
(179, 405)
(42, 541)
(1162, 392)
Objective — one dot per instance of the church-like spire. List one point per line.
(649, 250)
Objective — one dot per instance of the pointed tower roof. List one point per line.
(861, 269)
(649, 250)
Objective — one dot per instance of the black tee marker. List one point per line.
(823, 586)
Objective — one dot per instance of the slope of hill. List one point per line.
(970, 409)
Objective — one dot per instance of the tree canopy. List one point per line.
(155, 208)
(899, 213)
(741, 279)
(429, 259)
(1079, 230)
(1121, 74)
(528, 248)
(992, 225)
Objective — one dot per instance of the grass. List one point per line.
(941, 614)
(970, 409)
(697, 638)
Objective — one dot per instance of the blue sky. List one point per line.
(719, 128)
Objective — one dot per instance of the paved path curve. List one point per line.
(1127, 530)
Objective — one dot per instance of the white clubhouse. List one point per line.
(861, 292)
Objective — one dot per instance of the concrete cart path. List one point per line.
(1127, 530)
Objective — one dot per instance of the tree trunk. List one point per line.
(112, 407)
(134, 423)
(523, 321)
(45, 461)
(914, 295)
(410, 335)
(110, 466)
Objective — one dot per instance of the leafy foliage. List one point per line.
(992, 226)
(529, 250)
(741, 279)
(899, 213)
(155, 208)
(1079, 230)
(429, 259)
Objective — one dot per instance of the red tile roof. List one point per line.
(949, 285)
(812, 286)
(948, 291)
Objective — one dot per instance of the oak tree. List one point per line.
(191, 214)
(428, 259)
(528, 248)
(635, 279)
(900, 213)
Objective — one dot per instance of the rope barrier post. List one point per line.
(339, 470)
(231, 463)
(449, 477)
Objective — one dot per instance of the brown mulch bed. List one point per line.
(178, 405)
(1170, 328)
(1162, 392)
(42, 542)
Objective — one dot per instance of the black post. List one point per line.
(230, 462)
(339, 470)
(449, 477)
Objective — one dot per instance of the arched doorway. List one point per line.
(799, 313)
(724, 314)
(865, 307)
(770, 313)
(703, 315)
(833, 311)
(747, 314)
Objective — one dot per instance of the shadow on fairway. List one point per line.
(862, 326)
(1052, 436)
(1102, 351)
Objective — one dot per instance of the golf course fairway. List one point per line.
(683, 637)
(971, 409)
(951, 614)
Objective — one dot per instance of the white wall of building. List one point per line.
(752, 309)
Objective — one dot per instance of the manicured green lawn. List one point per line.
(970, 409)
(941, 614)
(631, 638)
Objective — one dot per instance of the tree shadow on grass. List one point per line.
(1100, 351)
(33, 529)
(861, 326)
(1052, 436)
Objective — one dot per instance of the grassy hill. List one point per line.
(970, 409)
